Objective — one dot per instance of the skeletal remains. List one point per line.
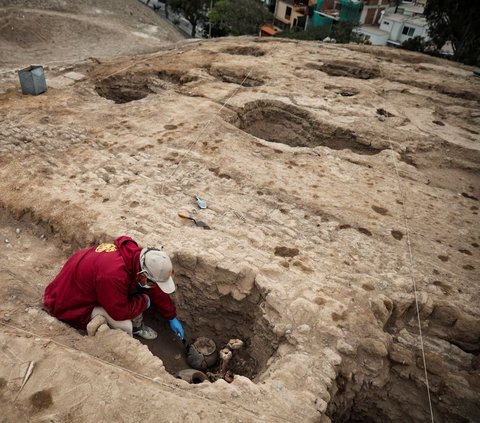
(202, 355)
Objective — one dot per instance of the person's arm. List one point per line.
(113, 296)
(162, 303)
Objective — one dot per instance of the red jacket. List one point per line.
(103, 275)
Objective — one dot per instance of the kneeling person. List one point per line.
(118, 281)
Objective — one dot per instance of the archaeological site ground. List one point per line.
(343, 187)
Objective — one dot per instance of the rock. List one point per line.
(467, 329)
(401, 355)
(374, 347)
(445, 314)
(345, 348)
(303, 329)
(382, 308)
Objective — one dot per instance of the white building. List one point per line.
(403, 27)
(395, 28)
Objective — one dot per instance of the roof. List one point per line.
(372, 29)
(268, 30)
(418, 21)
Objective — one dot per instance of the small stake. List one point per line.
(28, 373)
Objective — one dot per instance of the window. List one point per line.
(408, 31)
(288, 13)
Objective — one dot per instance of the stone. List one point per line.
(76, 76)
(345, 348)
(401, 355)
(382, 308)
(374, 347)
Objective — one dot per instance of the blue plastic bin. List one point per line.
(32, 80)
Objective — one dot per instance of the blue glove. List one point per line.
(177, 328)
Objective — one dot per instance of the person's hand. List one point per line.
(177, 328)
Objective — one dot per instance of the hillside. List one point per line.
(56, 31)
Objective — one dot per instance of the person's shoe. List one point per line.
(145, 332)
(94, 324)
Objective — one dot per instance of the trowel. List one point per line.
(201, 202)
(199, 223)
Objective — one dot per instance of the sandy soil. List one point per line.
(337, 178)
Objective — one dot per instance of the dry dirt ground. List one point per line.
(338, 178)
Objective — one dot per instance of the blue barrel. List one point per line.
(32, 80)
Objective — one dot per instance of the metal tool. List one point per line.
(201, 202)
(199, 223)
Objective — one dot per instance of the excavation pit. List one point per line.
(244, 51)
(236, 76)
(123, 89)
(132, 87)
(279, 122)
(346, 69)
(205, 312)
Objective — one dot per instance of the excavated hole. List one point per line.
(204, 311)
(126, 88)
(244, 51)
(375, 386)
(123, 89)
(346, 69)
(287, 124)
(235, 76)
(176, 77)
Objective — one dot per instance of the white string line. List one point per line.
(202, 130)
(142, 376)
(407, 231)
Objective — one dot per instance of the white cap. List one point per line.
(157, 266)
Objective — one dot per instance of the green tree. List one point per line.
(457, 21)
(239, 17)
(195, 11)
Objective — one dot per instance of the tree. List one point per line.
(195, 11)
(239, 17)
(416, 44)
(457, 21)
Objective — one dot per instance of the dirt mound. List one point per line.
(45, 31)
